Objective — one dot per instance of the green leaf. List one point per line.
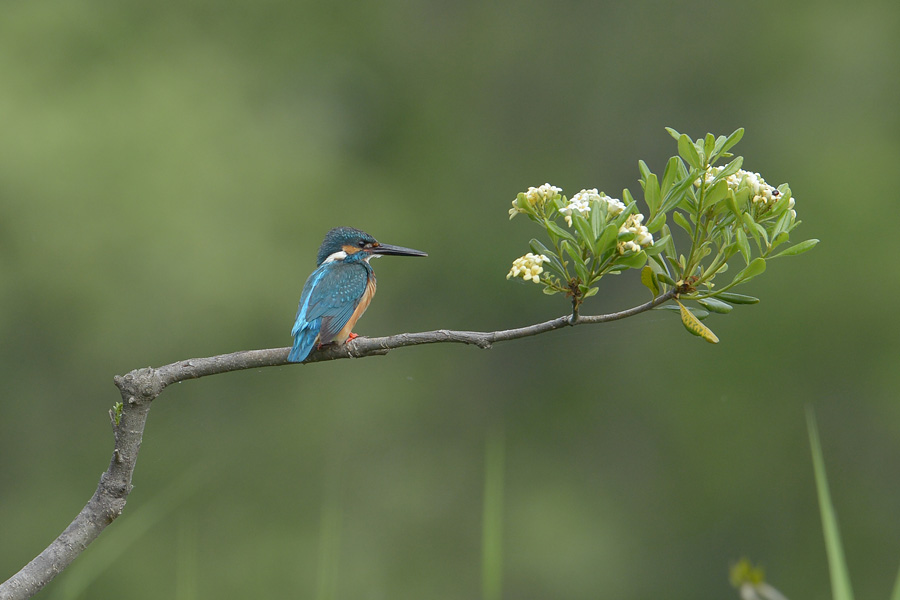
(665, 279)
(757, 230)
(716, 306)
(697, 312)
(651, 193)
(550, 291)
(797, 248)
(716, 194)
(625, 236)
(596, 219)
(733, 139)
(731, 168)
(677, 267)
(837, 564)
(644, 169)
(648, 278)
(709, 144)
(756, 267)
(656, 222)
(737, 298)
(607, 239)
(688, 151)
(693, 325)
(628, 201)
(742, 199)
(574, 253)
(560, 232)
(669, 175)
(673, 133)
(782, 226)
(539, 248)
(743, 244)
(731, 201)
(682, 222)
(669, 242)
(781, 206)
(116, 412)
(658, 246)
(523, 205)
(583, 228)
(635, 261)
(591, 292)
(677, 194)
(779, 240)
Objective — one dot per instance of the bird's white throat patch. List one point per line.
(339, 255)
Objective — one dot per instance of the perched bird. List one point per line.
(339, 291)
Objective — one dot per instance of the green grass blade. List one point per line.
(895, 595)
(837, 565)
(329, 552)
(330, 532)
(492, 524)
(187, 559)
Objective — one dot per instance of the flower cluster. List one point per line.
(582, 203)
(539, 195)
(528, 267)
(534, 197)
(762, 195)
(642, 236)
(725, 211)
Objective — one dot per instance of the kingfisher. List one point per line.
(340, 289)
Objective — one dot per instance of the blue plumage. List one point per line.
(331, 295)
(339, 290)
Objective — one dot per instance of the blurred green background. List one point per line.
(167, 172)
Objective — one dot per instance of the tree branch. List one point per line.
(140, 387)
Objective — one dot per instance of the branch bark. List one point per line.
(140, 387)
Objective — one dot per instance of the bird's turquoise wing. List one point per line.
(342, 288)
(330, 296)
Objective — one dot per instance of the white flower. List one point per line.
(642, 236)
(582, 203)
(762, 195)
(614, 206)
(628, 247)
(528, 267)
(535, 196)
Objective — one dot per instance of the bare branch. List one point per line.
(140, 387)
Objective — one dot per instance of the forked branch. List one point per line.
(140, 387)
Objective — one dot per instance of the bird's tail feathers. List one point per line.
(304, 341)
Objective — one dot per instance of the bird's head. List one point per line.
(344, 242)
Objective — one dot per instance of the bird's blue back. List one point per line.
(329, 297)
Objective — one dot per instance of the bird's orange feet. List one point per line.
(352, 336)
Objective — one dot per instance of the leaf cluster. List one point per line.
(583, 245)
(724, 211)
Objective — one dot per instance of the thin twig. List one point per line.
(140, 387)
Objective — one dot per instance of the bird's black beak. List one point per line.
(387, 249)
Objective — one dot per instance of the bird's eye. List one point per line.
(362, 243)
